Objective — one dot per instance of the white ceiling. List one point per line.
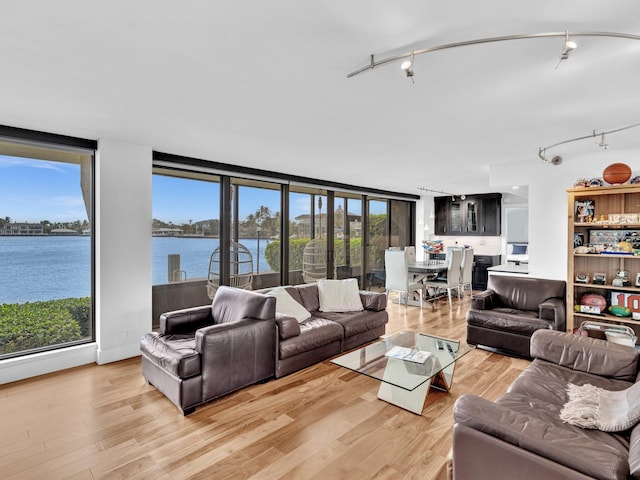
(264, 84)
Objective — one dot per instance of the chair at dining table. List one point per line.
(397, 277)
(466, 270)
(453, 274)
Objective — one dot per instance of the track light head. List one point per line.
(557, 160)
(407, 66)
(569, 45)
(462, 197)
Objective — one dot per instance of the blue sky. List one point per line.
(36, 190)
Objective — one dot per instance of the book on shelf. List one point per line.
(408, 354)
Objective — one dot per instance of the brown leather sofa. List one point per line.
(325, 334)
(512, 308)
(521, 435)
(204, 352)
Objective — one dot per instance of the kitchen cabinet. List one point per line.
(475, 215)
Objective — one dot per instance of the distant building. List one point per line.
(167, 232)
(19, 229)
(63, 231)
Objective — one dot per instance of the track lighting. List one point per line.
(602, 144)
(542, 151)
(569, 45)
(407, 67)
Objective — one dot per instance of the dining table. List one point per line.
(423, 271)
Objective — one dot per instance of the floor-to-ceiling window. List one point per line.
(185, 233)
(46, 246)
(287, 232)
(377, 240)
(348, 235)
(307, 235)
(256, 227)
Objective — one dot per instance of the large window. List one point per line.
(256, 226)
(269, 230)
(186, 226)
(45, 247)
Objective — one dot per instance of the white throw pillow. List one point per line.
(287, 305)
(339, 295)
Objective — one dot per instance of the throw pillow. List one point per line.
(287, 305)
(339, 295)
(520, 249)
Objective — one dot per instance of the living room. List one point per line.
(471, 119)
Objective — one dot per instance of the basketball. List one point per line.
(617, 173)
(594, 300)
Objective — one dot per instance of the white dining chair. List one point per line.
(466, 271)
(411, 253)
(397, 277)
(453, 274)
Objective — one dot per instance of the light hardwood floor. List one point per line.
(325, 422)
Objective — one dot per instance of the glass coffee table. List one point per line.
(407, 365)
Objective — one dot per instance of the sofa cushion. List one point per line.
(287, 305)
(339, 295)
(314, 332)
(309, 296)
(540, 392)
(356, 322)
(175, 353)
(233, 304)
(516, 321)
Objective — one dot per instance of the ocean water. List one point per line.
(195, 254)
(46, 268)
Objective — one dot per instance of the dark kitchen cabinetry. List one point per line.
(480, 273)
(475, 215)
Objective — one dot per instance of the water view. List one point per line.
(34, 268)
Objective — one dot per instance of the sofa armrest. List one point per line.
(376, 301)
(553, 310)
(591, 355)
(235, 354)
(561, 445)
(287, 326)
(187, 320)
(483, 300)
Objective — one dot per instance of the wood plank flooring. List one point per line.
(105, 422)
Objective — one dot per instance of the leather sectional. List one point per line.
(522, 436)
(205, 352)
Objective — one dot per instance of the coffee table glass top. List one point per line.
(406, 348)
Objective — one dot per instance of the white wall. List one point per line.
(123, 265)
(123, 248)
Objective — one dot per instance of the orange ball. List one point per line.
(616, 173)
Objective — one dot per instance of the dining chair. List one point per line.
(466, 271)
(397, 276)
(453, 274)
(411, 253)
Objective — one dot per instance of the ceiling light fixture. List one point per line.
(407, 67)
(542, 151)
(602, 144)
(452, 195)
(568, 46)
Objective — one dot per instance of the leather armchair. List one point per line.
(205, 352)
(512, 308)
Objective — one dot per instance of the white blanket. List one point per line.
(593, 407)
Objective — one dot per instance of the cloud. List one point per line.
(8, 162)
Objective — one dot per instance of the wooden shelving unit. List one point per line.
(607, 200)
